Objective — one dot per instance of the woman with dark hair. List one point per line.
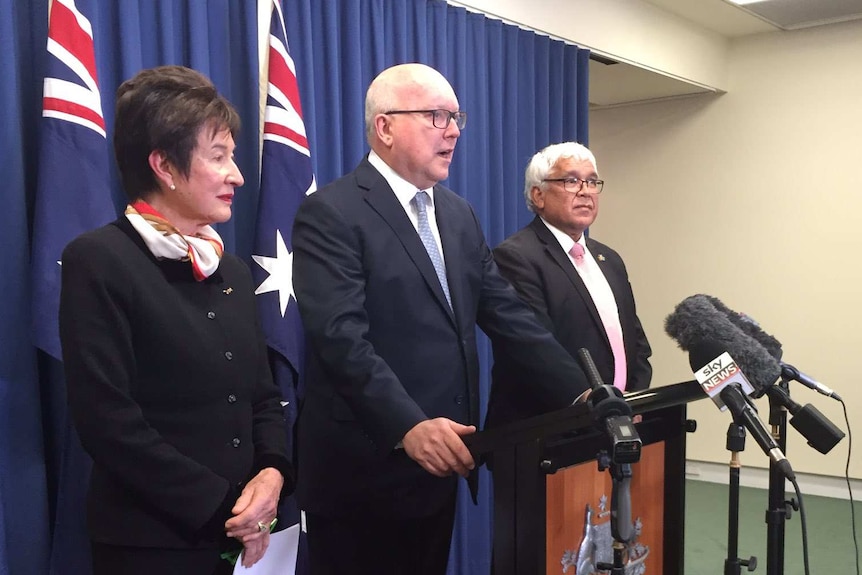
(168, 380)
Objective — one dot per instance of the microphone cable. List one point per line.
(849, 486)
(804, 525)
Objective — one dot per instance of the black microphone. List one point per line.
(772, 346)
(714, 369)
(723, 380)
(790, 372)
(611, 413)
(706, 328)
(697, 322)
(605, 400)
(821, 433)
(590, 369)
(749, 326)
(745, 413)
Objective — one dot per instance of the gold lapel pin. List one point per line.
(228, 291)
(601, 258)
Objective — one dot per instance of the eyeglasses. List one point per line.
(575, 185)
(440, 118)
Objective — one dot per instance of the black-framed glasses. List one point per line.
(440, 118)
(575, 185)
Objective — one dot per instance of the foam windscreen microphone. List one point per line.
(701, 328)
(749, 326)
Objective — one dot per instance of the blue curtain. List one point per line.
(23, 506)
(521, 90)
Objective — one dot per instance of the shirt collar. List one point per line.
(565, 240)
(403, 189)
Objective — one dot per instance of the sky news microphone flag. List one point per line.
(72, 194)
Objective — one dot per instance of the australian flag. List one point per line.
(286, 179)
(72, 194)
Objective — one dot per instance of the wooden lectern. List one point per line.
(552, 505)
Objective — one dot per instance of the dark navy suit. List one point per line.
(387, 352)
(542, 273)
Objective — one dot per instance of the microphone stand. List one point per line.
(735, 444)
(621, 516)
(613, 414)
(779, 509)
(820, 433)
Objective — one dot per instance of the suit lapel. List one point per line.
(608, 270)
(382, 199)
(555, 251)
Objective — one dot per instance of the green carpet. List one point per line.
(830, 537)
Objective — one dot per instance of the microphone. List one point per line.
(790, 372)
(704, 327)
(697, 322)
(605, 400)
(821, 433)
(611, 413)
(727, 385)
(714, 370)
(611, 410)
(590, 369)
(750, 327)
(745, 413)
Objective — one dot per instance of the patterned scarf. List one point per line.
(203, 250)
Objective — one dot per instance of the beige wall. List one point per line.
(754, 197)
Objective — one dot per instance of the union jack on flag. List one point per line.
(72, 193)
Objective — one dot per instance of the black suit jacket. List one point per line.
(542, 273)
(387, 352)
(169, 388)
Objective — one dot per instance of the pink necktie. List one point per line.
(577, 252)
(606, 306)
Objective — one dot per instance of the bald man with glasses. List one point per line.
(392, 275)
(577, 286)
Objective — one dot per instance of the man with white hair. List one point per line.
(578, 287)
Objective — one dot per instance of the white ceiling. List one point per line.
(717, 15)
(729, 19)
(623, 83)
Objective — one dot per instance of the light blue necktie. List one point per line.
(420, 201)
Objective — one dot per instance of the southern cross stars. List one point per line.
(280, 269)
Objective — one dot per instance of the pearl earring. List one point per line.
(173, 187)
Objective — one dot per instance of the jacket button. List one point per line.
(228, 355)
(231, 398)
(211, 314)
(459, 399)
(235, 442)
